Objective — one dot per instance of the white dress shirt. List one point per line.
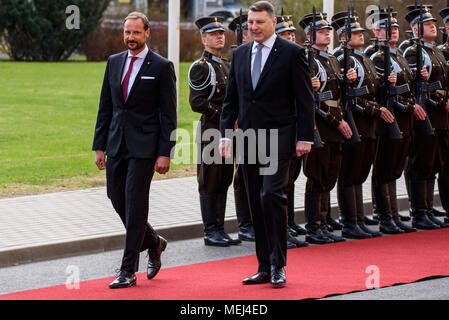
(136, 67)
(267, 46)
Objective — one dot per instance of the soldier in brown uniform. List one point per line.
(358, 157)
(322, 165)
(443, 176)
(429, 151)
(246, 228)
(207, 80)
(391, 154)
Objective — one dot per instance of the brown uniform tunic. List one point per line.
(212, 178)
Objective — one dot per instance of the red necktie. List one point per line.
(125, 82)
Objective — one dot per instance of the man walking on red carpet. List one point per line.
(136, 116)
(269, 91)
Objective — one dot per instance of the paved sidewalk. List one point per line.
(42, 227)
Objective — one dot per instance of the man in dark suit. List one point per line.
(136, 116)
(269, 90)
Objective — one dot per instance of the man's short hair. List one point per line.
(260, 6)
(139, 15)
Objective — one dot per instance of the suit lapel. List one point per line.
(248, 65)
(143, 68)
(274, 53)
(122, 64)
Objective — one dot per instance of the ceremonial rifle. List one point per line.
(349, 93)
(389, 92)
(421, 86)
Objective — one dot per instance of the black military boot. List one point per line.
(430, 209)
(395, 210)
(332, 224)
(374, 202)
(221, 211)
(208, 213)
(313, 220)
(348, 213)
(296, 228)
(418, 205)
(325, 204)
(360, 212)
(246, 229)
(386, 223)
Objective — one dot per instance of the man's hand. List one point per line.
(162, 165)
(100, 159)
(352, 75)
(345, 129)
(419, 112)
(316, 84)
(424, 73)
(225, 148)
(392, 78)
(302, 148)
(386, 115)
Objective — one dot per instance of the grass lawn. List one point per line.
(47, 119)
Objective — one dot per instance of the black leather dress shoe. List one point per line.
(317, 237)
(298, 229)
(154, 258)
(214, 239)
(403, 226)
(438, 222)
(292, 242)
(372, 233)
(124, 280)
(438, 213)
(247, 234)
(389, 227)
(228, 239)
(278, 279)
(424, 223)
(333, 237)
(258, 278)
(354, 232)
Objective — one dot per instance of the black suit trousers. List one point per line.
(128, 187)
(268, 206)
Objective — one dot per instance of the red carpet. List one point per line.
(312, 272)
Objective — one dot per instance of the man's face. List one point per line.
(430, 30)
(214, 40)
(357, 39)
(261, 25)
(134, 34)
(381, 34)
(287, 35)
(323, 37)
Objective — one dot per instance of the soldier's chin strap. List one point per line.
(210, 79)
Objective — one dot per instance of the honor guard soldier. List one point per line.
(285, 29)
(241, 21)
(322, 165)
(207, 80)
(246, 230)
(358, 156)
(443, 177)
(391, 152)
(430, 146)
